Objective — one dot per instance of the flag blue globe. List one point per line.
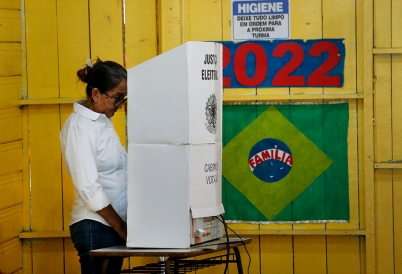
(270, 160)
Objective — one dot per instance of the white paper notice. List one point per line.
(260, 19)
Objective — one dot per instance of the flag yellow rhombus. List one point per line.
(271, 198)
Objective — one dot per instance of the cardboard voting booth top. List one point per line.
(176, 97)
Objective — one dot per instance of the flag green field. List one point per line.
(285, 163)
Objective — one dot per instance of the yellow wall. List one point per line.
(58, 35)
(10, 137)
(385, 48)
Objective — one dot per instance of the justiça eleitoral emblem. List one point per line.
(270, 160)
(211, 114)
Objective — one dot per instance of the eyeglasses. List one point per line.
(117, 102)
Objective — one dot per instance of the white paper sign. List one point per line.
(260, 19)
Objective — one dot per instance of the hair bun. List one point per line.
(83, 74)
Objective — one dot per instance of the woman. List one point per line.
(97, 162)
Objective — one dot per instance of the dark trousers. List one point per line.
(88, 235)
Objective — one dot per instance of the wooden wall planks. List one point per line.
(11, 210)
(57, 44)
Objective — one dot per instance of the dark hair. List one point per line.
(104, 76)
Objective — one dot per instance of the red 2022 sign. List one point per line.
(284, 63)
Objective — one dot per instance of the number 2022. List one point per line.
(315, 70)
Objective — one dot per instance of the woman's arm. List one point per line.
(110, 215)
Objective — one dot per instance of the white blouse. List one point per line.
(96, 162)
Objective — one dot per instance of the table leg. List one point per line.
(238, 260)
(176, 266)
(104, 266)
(167, 266)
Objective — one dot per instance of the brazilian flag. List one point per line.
(285, 162)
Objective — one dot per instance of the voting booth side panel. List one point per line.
(158, 213)
(206, 193)
(158, 103)
(176, 97)
(160, 177)
(205, 92)
(206, 180)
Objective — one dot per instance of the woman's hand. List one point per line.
(110, 215)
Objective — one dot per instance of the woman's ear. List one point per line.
(95, 94)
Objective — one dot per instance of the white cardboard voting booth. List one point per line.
(174, 152)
